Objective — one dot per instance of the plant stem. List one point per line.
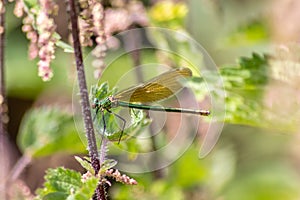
(19, 167)
(85, 105)
(103, 150)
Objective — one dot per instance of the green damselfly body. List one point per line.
(141, 96)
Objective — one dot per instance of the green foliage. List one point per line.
(45, 131)
(222, 174)
(64, 184)
(113, 128)
(65, 46)
(243, 85)
(86, 164)
(30, 4)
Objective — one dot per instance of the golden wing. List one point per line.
(157, 88)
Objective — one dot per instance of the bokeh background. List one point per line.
(255, 44)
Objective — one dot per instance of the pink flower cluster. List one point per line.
(104, 23)
(40, 29)
(31, 35)
(114, 173)
(120, 19)
(19, 8)
(46, 40)
(100, 50)
(85, 23)
(91, 23)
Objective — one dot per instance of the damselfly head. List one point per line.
(95, 103)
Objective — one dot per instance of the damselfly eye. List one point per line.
(95, 103)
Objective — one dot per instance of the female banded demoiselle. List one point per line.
(141, 96)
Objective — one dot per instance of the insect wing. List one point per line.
(157, 88)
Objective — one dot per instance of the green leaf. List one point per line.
(47, 130)
(244, 88)
(30, 4)
(55, 196)
(86, 164)
(108, 164)
(63, 180)
(60, 181)
(66, 47)
(64, 183)
(86, 191)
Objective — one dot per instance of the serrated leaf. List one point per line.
(60, 181)
(45, 131)
(86, 164)
(63, 180)
(108, 164)
(244, 88)
(64, 183)
(86, 191)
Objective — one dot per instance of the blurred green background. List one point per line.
(256, 157)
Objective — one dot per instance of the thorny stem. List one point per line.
(85, 105)
(103, 149)
(98, 194)
(103, 145)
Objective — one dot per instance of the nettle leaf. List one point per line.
(86, 191)
(113, 131)
(65, 46)
(243, 85)
(86, 164)
(48, 130)
(108, 164)
(64, 183)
